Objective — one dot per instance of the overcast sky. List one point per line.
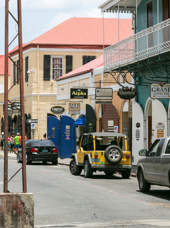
(39, 16)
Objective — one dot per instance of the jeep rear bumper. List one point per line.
(111, 167)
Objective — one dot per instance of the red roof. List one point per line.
(2, 65)
(84, 31)
(88, 67)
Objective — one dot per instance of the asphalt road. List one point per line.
(64, 200)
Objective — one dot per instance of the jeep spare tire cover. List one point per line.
(113, 154)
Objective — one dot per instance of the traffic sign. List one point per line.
(32, 120)
(32, 126)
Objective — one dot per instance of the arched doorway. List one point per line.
(110, 118)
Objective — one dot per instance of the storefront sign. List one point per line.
(127, 93)
(104, 94)
(160, 130)
(74, 107)
(160, 90)
(57, 110)
(79, 93)
(13, 107)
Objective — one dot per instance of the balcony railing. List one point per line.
(149, 42)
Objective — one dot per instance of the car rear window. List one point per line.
(42, 143)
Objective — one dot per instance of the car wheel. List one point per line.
(87, 169)
(144, 186)
(126, 174)
(54, 162)
(109, 173)
(113, 154)
(18, 159)
(26, 160)
(44, 162)
(74, 169)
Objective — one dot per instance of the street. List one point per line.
(64, 200)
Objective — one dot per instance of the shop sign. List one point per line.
(160, 90)
(127, 93)
(78, 93)
(57, 110)
(74, 107)
(160, 130)
(104, 94)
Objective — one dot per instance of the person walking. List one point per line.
(9, 143)
(20, 139)
(2, 140)
(45, 136)
(12, 143)
(16, 141)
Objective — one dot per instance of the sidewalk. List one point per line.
(64, 161)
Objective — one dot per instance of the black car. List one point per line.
(39, 150)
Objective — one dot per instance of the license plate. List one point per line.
(44, 150)
(95, 159)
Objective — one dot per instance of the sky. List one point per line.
(39, 16)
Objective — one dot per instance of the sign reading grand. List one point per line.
(78, 93)
(160, 90)
(57, 110)
(104, 94)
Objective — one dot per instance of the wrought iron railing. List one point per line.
(142, 45)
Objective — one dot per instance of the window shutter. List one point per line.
(26, 69)
(18, 72)
(46, 68)
(87, 59)
(14, 79)
(69, 63)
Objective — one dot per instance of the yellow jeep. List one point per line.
(99, 151)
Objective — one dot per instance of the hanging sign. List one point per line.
(57, 110)
(160, 90)
(78, 93)
(127, 93)
(104, 94)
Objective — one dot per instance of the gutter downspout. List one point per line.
(38, 95)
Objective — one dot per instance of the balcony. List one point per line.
(145, 44)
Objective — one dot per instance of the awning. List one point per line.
(79, 122)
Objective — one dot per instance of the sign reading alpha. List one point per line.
(78, 93)
(57, 110)
(127, 93)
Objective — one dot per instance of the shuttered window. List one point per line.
(18, 72)
(69, 63)
(87, 59)
(57, 67)
(14, 73)
(46, 76)
(26, 69)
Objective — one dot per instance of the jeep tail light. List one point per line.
(33, 150)
(127, 156)
(55, 150)
(96, 155)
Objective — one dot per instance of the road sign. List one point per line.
(32, 126)
(32, 120)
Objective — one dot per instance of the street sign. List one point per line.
(33, 126)
(32, 120)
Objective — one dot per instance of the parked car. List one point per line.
(39, 150)
(98, 151)
(154, 167)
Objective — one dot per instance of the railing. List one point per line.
(142, 45)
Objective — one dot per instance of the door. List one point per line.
(67, 132)
(150, 22)
(53, 130)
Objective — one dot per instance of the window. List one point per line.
(57, 67)
(26, 69)
(167, 151)
(46, 76)
(85, 142)
(159, 150)
(14, 72)
(18, 74)
(87, 59)
(154, 147)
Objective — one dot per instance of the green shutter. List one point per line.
(69, 63)
(46, 68)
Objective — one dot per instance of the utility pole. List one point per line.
(6, 100)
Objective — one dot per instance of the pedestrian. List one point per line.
(20, 139)
(12, 143)
(9, 142)
(45, 136)
(16, 141)
(2, 140)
